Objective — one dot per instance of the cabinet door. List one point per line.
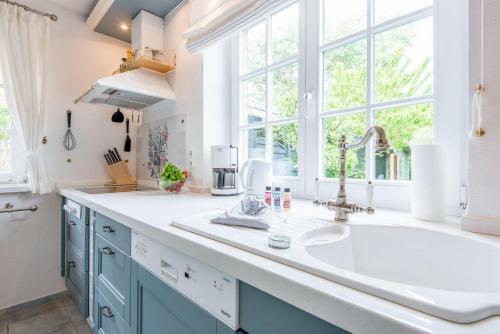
(106, 318)
(261, 313)
(76, 254)
(157, 308)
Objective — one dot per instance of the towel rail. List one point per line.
(9, 207)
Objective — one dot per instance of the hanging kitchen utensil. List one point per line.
(117, 116)
(69, 141)
(128, 141)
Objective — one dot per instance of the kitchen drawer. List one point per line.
(77, 282)
(106, 318)
(77, 276)
(76, 257)
(75, 212)
(116, 233)
(112, 275)
(77, 234)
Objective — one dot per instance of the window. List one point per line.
(5, 134)
(10, 163)
(377, 68)
(315, 70)
(269, 85)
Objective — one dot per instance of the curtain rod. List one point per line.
(53, 17)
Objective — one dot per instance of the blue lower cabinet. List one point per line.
(261, 313)
(75, 256)
(157, 308)
(112, 275)
(106, 318)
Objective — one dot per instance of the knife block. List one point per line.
(120, 175)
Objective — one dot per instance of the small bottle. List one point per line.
(277, 199)
(268, 196)
(287, 199)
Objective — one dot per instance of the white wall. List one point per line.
(484, 158)
(201, 83)
(29, 249)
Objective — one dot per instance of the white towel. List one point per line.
(262, 218)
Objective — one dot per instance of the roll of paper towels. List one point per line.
(428, 185)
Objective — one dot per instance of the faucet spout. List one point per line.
(381, 142)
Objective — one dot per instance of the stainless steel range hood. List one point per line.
(135, 89)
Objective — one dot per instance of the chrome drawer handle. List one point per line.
(107, 251)
(72, 264)
(107, 229)
(106, 311)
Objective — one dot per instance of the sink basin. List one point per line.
(452, 276)
(447, 273)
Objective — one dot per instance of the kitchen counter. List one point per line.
(151, 213)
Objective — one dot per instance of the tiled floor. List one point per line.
(58, 316)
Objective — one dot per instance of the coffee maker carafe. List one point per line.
(225, 179)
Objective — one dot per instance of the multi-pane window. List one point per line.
(5, 134)
(377, 68)
(269, 89)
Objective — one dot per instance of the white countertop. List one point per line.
(151, 213)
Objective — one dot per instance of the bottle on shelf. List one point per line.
(287, 199)
(268, 196)
(277, 199)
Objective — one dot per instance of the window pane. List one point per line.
(403, 61)
(254, 143)
(255, 47)
(4, 114)
(342, 19)
(285, 33)
(285, 92)
(4, 152)
(352, 126)
(254, 95)
(345, 77)
(285, 146)
(389, 9)
(401, 125)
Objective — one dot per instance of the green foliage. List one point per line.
(4, 116)
(172, 173)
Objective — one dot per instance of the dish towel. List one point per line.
(252, 213)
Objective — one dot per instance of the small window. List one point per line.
(9, 160)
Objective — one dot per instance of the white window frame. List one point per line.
(449, 97)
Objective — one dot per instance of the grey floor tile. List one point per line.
(83, 329)
(41, 320)
(37, 303)
(74, 314)
(36, 311)
(66, 330)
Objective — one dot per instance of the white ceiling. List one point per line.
(80, 6)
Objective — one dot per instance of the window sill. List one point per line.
(14, 188)
(387, 183)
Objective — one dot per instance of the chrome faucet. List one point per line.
(341, 206)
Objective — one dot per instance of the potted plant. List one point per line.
(172, 179)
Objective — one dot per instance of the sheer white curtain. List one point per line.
(24, 46)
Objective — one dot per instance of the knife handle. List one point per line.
(117, 154)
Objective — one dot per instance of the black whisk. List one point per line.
(69, 142)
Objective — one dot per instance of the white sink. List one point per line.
(445, 272)
(452, 276)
